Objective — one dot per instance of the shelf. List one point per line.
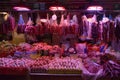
(45, 74)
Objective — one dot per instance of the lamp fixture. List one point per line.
(21, 6)
(18, 8)
(95, 8)
(57, 8)
(3, 13)
(43, 20)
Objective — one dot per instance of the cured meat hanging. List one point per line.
(100, 30)
(106, 29)
(47, 25)
(21, 25)
(61, 26)
(117, 27)
(89, 27)
(74, 25)
(67, 24)
(7, 24)
(47, 36)
(53, 24)
(111, 31)
(29, 30)
(95, 32)
(38, 25)
(83, 27)
(75, 19)
(54, 30)
(12, 21)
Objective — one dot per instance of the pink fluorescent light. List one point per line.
(57, 8)
(95, 8)
(43, 20)
(18, 8)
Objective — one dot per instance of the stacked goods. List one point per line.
(36, 50)
(56, 65)
(23, 50)
(41, 64)
(111, 68)
(44, 64)
(14, 66)
(91, 65)
(65, 66)
(64, 63)
(6, 48)
(45, 49)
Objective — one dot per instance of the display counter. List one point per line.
(42, 76)
(13, 77)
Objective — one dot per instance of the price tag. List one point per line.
(54, 17)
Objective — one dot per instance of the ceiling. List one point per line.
(42, 5)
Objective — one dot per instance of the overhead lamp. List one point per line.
(95, 8)
(18, 8)
(3, 13)
(57, 8)
(43, 20)
(21, 6)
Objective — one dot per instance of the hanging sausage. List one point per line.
(54, 29)
(95, 32)
(62, 26)
(84, 28)
(7, 23)
(39, 26)
(30, 32)
(75, 25)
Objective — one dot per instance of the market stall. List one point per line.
(60, 44)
